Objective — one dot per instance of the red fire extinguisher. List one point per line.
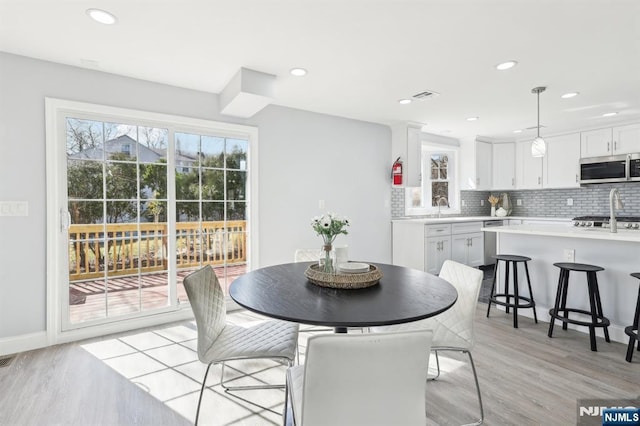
(396, 172)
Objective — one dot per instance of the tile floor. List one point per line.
(164, 362)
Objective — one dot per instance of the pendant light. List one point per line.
(538, 146)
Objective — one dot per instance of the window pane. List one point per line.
(213, 151)
(86, 212)
(153, 211)
(439, 190)
(187, 184)
(212, 184)
(212, 211)
(236, 210)
(122, 211)
(121, 141)
(187, 149)
(237, 154)
(153, 144)
(84, 179)
(122, 181)
(153, 181)
(187, 212)
(84, 139)
(236, 185)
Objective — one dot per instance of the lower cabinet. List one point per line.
(426, 247)
(438, 249)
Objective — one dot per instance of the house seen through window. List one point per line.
(439, 192)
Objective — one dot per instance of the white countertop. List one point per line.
(568, 231)
(456, 219)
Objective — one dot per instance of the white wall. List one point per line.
(304, 157)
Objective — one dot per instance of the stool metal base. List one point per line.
(517, 299)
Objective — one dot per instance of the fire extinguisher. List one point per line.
(396, 172)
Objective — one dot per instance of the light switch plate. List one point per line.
(14, 208)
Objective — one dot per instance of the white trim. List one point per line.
(56, 273)
(22, 343)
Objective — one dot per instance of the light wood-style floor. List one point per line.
(151, 377)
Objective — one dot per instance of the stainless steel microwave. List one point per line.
(611, 169)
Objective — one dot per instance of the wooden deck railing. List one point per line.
(129, 248)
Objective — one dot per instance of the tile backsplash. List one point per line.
(588, 200)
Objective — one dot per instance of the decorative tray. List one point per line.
(343, 281)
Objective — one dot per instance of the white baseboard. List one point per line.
(22, 343)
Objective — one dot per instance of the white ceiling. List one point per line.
(365, 55)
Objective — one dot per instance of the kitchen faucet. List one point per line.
(614, 195)
(440, 199)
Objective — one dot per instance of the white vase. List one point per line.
(493, 210)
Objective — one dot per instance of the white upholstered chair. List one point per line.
(453, 329)
(219, 342)
(361, 380)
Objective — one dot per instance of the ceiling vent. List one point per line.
(427, 94)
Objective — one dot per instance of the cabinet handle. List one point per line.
(477, 181)
(576, 178)
(539, 179)
(615, 145)
(513, 181)
(608, 146)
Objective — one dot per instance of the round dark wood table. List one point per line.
(402, 295)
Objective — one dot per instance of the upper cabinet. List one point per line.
(557, 169)
(503, 159)
(528, 167)
(610, 141)
(406, 144)
(562, 161)
(483, 165)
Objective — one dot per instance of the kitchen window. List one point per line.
(439, 192)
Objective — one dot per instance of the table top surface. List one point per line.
(402, 295)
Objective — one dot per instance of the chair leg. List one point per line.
(556, 306)
(437, 366)
(204, 383)
(493, 286)
(254, 387)
(517, 296)
(475, 376)
(533, 303)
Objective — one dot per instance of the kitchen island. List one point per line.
(618, 253)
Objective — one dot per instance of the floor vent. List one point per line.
(4, 362)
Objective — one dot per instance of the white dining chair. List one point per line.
(453, 330)
(361, 380)
(219, 341)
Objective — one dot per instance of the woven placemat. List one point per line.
(343, 281)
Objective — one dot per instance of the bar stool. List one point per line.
(509, 259)
(632, 330)
(597, 317)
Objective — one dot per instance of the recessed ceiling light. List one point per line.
(506, 65)
(517, 131)
(404, 101)
(609, 114)
(570, 95)
(472, 118)
(298, 72)
(101, 16)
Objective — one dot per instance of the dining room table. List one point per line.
(401, 295)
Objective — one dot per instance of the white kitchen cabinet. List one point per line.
(406, 144)
(483, 165)
(610, 141)
(467, 243)
(438, 249)
(528, 167)
(503, 165)
(561, 163)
